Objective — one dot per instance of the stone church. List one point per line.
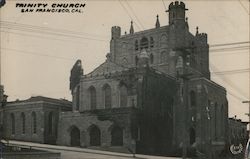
(152, 95)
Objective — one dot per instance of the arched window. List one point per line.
(13, 124)
(92, 97)
(77, 97)
(222, 119)
(116, 136)
(136, 45)
(94, 136)
(151, 42)
(106, 89)
(215, 120)
(23, 123)
(164, 41)
(33, 121)
(51, 123)
(123, 95)
(144, 43)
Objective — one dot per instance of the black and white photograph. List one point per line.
(124, 79)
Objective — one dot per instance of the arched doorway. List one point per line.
(95, 136)
(116, 136)
(75, 137)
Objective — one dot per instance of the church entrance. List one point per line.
(116, 136)
(95, 136)
(75, 137)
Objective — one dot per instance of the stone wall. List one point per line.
(156, 114)
(105, 120)
(41, 109)
(210, 120)
(27, 110)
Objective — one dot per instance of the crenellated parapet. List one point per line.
(202, 37)
(176, 4)
(115, 32)
(176, 11)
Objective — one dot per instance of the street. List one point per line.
(83, 153)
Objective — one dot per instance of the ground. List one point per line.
(82, 153)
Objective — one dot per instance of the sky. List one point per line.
(38, 50)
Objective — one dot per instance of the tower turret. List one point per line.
(115, 32)
(176, 12)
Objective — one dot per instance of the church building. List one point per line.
(152, 95)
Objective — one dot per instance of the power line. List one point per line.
(164, 5)
(229, 82)
(37, 36)
(243, 7)
(225, 44)
(38, 54)
(53, 33)
(231, 71)
(235, 96)
(230, 49)
(135, 14)
(124, 8)
(47, 28)
(222, 53)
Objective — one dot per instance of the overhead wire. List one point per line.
(138, 20)
(225, 44)
(8, 23)
(231, 71)
(38, 54)
(51, 33)
(124, 8)
(229, 82)
(164, 5)
(243, 7)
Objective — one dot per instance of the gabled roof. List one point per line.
(63, 102)
(107, 67)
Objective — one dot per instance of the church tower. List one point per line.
(176, 12)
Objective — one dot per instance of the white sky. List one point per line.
(25, 75)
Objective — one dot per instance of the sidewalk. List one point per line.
(84, 150)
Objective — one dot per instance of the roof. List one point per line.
(43, 99)
(106, 67)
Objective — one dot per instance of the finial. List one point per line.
(157, 24)
(197, 30)
(131, 31)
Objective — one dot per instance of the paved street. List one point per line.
(83, 153)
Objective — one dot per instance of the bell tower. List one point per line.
(176, 12)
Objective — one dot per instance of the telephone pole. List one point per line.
(247, 101)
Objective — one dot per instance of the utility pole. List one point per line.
(247, 101)
(183, 76)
